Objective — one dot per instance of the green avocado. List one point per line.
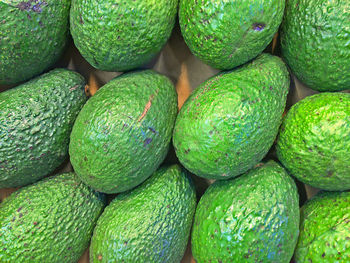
(315, 42)
(33, 35)
(324, 229)
(252, 218)
(36, 121)
(230, 121)
(49, 221)
(123, 132)
(117, 35)
(314, 141)
(150, 223)
(228, 33)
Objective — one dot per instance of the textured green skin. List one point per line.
(230, 121)
(49, 221)
(224, 34)
(113, 148)
(150, 223)
(33, 35)
(315, 42)
(116, 35)
(36, 120)
(324, 229)
(253, 218)
(314, 141)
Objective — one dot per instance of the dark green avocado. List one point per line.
(33, 35)
(150, 223)
(49, 221)
(36, 120)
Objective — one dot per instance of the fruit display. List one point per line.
(185, 131)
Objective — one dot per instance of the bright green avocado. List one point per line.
(36, 121)
(123, 132)
(315, 42)
(230, 121)
(118, 35)
(252, 218)
(49, 221)
(227, 33)
(150, 223)
(314, 141)
(33, 35)
(324, 229)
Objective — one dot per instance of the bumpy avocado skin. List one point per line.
(225, 34)
(314, 141)
(324, 229)
(150, 223)
(33, 35)
(49, 221)
(230, 121)
(315, 42)
(36, 120)
(252, 218)
(116, 35)
(123, 132)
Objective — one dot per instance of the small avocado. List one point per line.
(229, 123)
(252, 218)
(33, 35)
(49, 221)
(123, 132)
(315, 42)
(324, 229)
(36, 121)
(150, 223)
(314, 141)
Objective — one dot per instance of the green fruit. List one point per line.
(315, 42)
(230, 121)
(314, 141)
(123, 132)
(324, 229)
(116, 35)
(253, 218)
(150, 223)
(49, 221)
(33, 35)
(226, 34)
(36, 120)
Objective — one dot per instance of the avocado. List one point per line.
(226, 34)
(252, 218)
(150, 223)
(123, 132)
(33, 36)
(314, 141)
(324, 229)
(229, 123)
(121, 35)
(49, 221)
(36, 120)
(315, 42)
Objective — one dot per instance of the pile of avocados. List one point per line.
(137, 162)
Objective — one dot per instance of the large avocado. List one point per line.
(315, 42)
(36, 120)
(227, 33)
(230, 121)
(118, 35)
(314, 141)
(252, 218)
(150, 223)
(324, 229)
(123, 132)
(33, 35)
(49, 221)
